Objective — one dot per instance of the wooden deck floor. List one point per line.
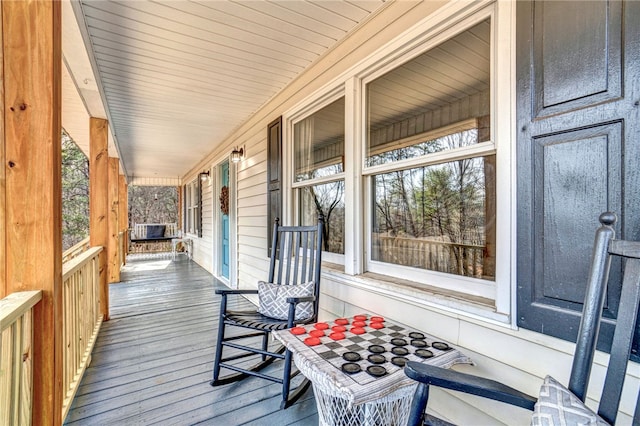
(152, 361)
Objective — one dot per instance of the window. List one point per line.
(192, 207)
(431, 163)
(319, 171)
(411, 163)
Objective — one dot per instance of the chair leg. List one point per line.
(286, 379)
(419, 405)
(219, 346)
(265, 344)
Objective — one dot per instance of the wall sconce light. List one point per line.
(237, 155)
(204, 176)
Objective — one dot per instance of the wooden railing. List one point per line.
(82, 319)
(16, 365)
(75, 250)
(454, 258)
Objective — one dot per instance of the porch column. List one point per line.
(113, 248)
(180, 209)
(30, 184)
(99, 201)
(123, 216)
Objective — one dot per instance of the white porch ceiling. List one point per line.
(176, 77)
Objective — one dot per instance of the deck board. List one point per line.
(152, 361)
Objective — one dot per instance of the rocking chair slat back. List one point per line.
(592, 308)
(623, 335)
(298, 250)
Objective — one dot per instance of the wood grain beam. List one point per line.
(4, 291)
(31, 210)
(99, 201)
(113, 257)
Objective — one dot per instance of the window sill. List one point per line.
(449, 302)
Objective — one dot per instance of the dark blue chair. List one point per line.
(606, 247)
(296, 257)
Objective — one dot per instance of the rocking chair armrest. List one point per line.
(296, 300)
(467, 383)
(224, 291)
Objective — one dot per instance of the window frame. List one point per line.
(193, 195)
(468, 285)
(450, 20)
(291, 187)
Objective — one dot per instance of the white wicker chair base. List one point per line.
(390, 410)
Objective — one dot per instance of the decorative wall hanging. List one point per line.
(224, 200)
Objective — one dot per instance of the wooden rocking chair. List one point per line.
(605, 248)
(291, 290)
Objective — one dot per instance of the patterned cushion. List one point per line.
(273, 300)
(558, 406)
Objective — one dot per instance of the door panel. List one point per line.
(224, 225)
(578, 153)
(577, 51)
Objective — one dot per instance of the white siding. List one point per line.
(517, 357)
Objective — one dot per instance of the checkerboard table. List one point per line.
(356, 367)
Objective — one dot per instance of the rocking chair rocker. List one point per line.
(289, 297)
(550, 405)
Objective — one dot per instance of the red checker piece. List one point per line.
(321, 325)
(339, 328)
(312, 341)
(377, 325)
(360, 317)
(337, 336)
(316, 333)
(377, 319)
(342, 321)
(357, 330)
(359, 324)
(298, 330)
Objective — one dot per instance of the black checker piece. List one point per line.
(376, 349)
(376, 359)
(424, 353)
(400, 361)
(376, 370)
(399, 350)
(351, 368)
(441, 346)
(351, 356)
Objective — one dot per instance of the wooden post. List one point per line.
(4, 290)
(180, 207)
(123, 216)
(31, 205)
(113, 248)
(99, 201)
